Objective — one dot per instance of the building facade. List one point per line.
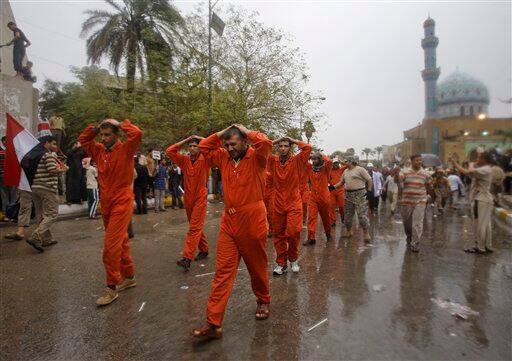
(456, 111)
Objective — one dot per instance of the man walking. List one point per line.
(391, 189)
(357, 184)
(114, 161)
(320, 199)
(337, 195)
(45, 195)
(285, 171)
(415, 182)
(481, 200)
(195, 168)
(243, 228)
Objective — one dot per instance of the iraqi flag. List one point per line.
(22, 155)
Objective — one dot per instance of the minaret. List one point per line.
(431, 73)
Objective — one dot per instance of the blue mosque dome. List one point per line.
(460, 94)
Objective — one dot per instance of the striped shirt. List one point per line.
(415, 186)
(46, 177)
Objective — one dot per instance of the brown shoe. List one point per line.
(127, 283)
(207, 332)
(107, 297)
(366, 236)
(262, 311)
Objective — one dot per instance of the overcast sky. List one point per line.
(364, 57)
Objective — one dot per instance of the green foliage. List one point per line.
(258, 77)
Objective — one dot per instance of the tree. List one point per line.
(378, 150)
(139, 32)
(367, 152)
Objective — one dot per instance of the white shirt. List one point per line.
(91, 174)
(391, 184)
(455, 183)
(377, 183)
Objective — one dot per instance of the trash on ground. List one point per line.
(156, 224)
(205, 274)
(452, 334)
(318, 324)
(398, 222)
(202, 265)
(142, 306)
(456, 309)
(184, 287)
(378, 288)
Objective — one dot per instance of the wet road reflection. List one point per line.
(379, 301)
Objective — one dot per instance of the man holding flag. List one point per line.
(31, 166)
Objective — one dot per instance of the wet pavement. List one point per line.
(350, 301)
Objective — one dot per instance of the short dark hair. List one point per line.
(414, 156)
(11, 23)
(47, 139)
(109, 126)
(194, 141)
(4, 138)
(232, 132)
(488, 157)
(286, 140)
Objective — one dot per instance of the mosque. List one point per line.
(456, 113)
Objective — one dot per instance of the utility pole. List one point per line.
(210, 112)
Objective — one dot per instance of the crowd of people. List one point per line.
(264, 194)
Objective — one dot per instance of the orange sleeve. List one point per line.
(173, 152)
(327, 165)
(262, 146)
(86, 139)
(305, 151)
(211, 149)
(133, 136)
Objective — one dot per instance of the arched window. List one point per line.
(461, 111)
(471, 110)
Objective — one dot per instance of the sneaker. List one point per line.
(35, 245)
(366, 236)
(309, 242)
(185, 263)
(279, 270)
(107, 297)
(347, 233)
(49, 243)
(127, 283)
(489, 250)
(295, 266)
(200, 256)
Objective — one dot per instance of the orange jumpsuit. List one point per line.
(195, 178)
(243, 227)
(269, 199)
(320, 199)
(337, 195)
(304, 195)
(115, 177)
(287, 219)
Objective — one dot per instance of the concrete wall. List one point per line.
(6, 15)
(19, 98)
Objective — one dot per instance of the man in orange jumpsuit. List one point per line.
(114, 160)
(243, 228)
(195, 168)
(320, 198)
(304, 194)
(269, 200)
(337, 195)
(286, 171)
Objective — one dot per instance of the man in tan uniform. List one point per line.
(481, 200)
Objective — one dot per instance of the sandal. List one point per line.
(15, 237)
(207, 332)
(262, 311)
